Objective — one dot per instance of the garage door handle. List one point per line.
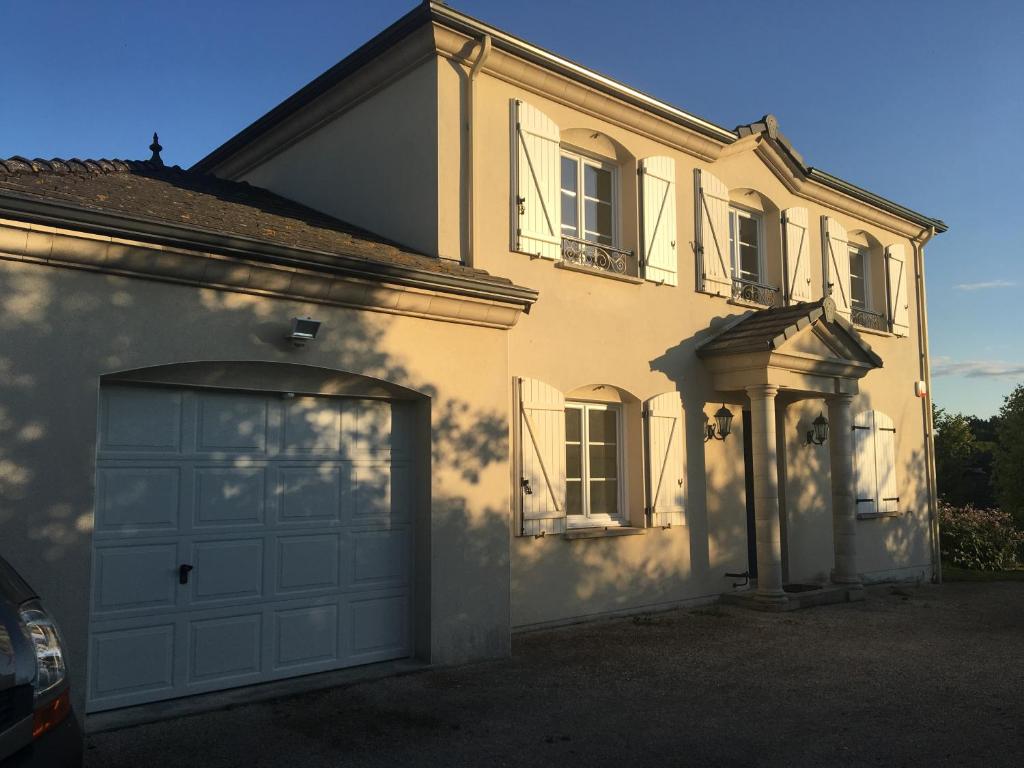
(183, 570)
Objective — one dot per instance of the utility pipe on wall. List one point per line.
(926, 402)
(469, 203)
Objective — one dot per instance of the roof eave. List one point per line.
(72, 217)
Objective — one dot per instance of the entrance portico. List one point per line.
(801, 351)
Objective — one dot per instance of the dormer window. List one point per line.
(588, 199)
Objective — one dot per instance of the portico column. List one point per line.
(844, 507)
(766, 491)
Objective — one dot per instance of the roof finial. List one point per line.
(155, 146)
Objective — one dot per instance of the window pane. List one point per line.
(573, 497)
(597, 183)
(570, 225)
(569, 174)
(604, 461)
(602, 424)
(748, 230)
(749, 266)
(604, 497)
(598, 219)
(732, 236)
(858, 294)
(573, 461)
(573, 425)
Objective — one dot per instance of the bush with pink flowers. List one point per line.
(981, 539)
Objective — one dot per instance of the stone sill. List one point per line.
(599, 273)
(872, 331)
(603, 532)
(875, 515)
(748, 304)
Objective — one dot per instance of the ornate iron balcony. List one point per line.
(603, 258)
(865, 319)
(756, 293)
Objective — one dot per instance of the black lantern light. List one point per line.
(819, 434)
(722, 426)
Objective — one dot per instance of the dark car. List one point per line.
(38, 727)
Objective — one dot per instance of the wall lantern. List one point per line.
(304, 329)
(819, 434)
(722, 426)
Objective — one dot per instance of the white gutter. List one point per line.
(926, 402)
(469, 252)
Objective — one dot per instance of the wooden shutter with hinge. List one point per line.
(541, 458)
(864, 469)
(798, 264)
(896, 273)
(658, 219)
(836, 250)
(712, 228)
(536, 166)
(885, 464)
(663, 425)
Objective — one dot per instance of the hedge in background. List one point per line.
(982, 539)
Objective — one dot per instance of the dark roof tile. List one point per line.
(147, 191)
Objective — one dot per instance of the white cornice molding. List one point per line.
(796, 181)
(64, 248)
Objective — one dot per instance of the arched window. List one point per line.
(755, 248)
(867, 281)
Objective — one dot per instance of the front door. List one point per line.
(748, 481)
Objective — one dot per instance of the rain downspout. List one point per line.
(926, 402)
(470, 250)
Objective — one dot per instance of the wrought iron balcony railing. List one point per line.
(874, 320)
(756, 293)
(603, 258)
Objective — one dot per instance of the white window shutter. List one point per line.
(864, 469)
(899, 309)
(713, 234)
(836, 250)
(542, 458)
(663, 417)
(885, 464)
(658, 218)
(798, 265)
(537, 212)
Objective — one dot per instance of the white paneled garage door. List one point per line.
(294, 515)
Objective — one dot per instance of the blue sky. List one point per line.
(922, 102)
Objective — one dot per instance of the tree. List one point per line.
(954, 454)
(1009, 457)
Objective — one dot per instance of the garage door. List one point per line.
(242, 538)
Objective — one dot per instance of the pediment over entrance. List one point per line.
(803, 347)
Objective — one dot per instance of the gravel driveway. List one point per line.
(913, 676)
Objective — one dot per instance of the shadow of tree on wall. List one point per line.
(64, 329)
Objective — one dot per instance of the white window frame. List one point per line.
(581, 208)
(600, 520)
(865, 254)
(737, 212)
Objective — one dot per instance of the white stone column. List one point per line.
(766, 492)
(844, 507)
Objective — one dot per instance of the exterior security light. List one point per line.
(722, 426)
(819, 434)
(303, 329)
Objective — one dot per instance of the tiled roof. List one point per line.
(758, 331)
(148, 191)
(768, 329)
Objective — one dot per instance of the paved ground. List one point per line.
(918, 676)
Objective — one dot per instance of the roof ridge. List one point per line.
(18, 164)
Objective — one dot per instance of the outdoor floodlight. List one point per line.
(722, 426)
(819, 434)
(303, 329)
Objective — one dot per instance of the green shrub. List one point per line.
(982, 539)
